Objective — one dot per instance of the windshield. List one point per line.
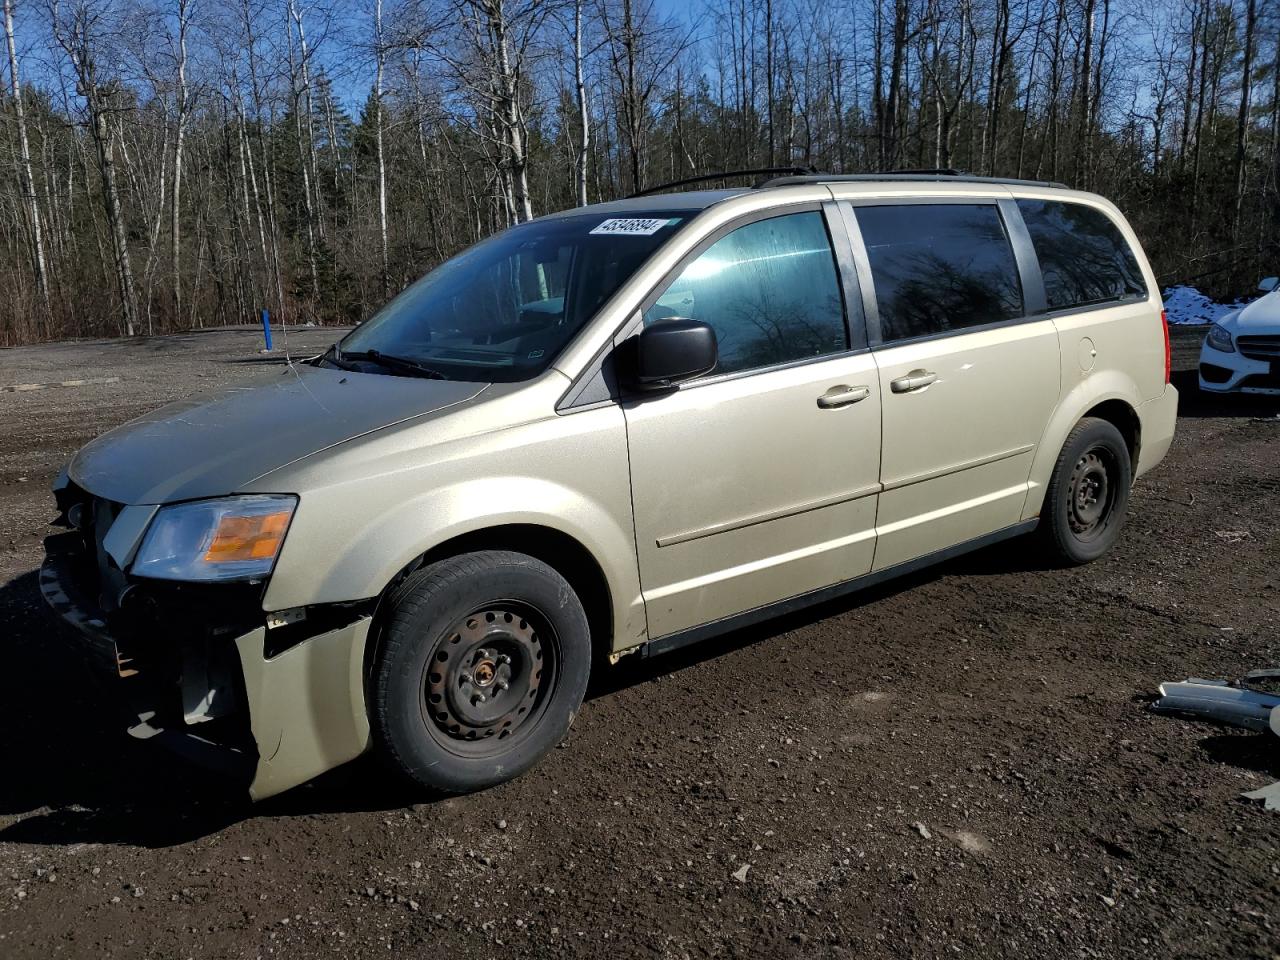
(505, 308)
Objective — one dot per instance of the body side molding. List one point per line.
(682, 638)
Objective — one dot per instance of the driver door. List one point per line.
(759, 481)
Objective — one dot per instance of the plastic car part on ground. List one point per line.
(1236, 703)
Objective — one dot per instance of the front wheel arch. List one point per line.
(564, 554)
(433, 715)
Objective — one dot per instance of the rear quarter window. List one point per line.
(1084, 258)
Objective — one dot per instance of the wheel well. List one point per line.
(1125, 419)
(557, 550)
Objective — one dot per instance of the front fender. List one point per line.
(350, 537)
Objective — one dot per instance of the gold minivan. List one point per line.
(622, 428)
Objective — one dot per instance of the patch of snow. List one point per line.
(1188, 305)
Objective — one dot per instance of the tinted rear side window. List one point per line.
(939, 267)
(1083, 256)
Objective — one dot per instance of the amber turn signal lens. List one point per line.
(248, 538)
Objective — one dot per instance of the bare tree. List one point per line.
(1242, 116)
(38, 263)
(76, 30)
(584, 113)
(380, 57)
(181, 108)
(197, 160)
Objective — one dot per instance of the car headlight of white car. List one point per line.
(1220, 339)
(230, 538)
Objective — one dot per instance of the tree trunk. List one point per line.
(1242, 121)
(1188, 98)
(298, 82)
(768, 78)
(75, 39)
(38, 262)
(105, 140)
(1084, 131)
(380, 55)
(584, 116)
(175, 231)
(991, 142)
(505, 86)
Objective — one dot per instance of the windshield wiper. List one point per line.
(404, 364)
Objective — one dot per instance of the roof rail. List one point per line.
(926, 176)
(725, 174)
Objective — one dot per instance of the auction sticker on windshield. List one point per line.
(632, 226)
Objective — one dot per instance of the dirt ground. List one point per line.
(961, 763)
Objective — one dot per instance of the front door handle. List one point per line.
(843, 395)
(915, 380)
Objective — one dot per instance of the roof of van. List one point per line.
(701, 199)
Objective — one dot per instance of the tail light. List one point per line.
(1168, 351)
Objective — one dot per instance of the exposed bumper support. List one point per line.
(306, 706)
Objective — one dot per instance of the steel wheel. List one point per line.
(489, 678)
(1089, 494)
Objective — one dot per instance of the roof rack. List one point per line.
(785, 176)
(928, 176)
(724, 175)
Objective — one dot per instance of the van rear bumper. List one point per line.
(1159, 418)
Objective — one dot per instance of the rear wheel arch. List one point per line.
(1121, 415)
(1109, 396)
(1087, 496)
(557, 549)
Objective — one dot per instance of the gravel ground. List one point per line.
(960, 763)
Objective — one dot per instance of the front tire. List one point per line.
(484, 664)
(1088, 494)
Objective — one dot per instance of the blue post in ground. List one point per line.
(266, 327)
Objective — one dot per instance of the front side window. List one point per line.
(505, 308)
(769, 290)
(1083, 256)
(939, 267)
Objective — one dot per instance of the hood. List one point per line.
(1261, 316)
(214, 444)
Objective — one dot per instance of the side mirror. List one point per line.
(671, 351)
(1269, 284)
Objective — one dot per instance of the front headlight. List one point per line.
(1220, 339)
(233, 538)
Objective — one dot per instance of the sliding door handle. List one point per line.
(843, 395)
(915, 380)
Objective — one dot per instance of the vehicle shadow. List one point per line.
(69, 774)
(1195, 403)
(1012, 556)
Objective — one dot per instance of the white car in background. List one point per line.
(1241, 353)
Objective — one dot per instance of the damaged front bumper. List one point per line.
(271, 700)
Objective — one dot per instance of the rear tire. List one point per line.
(484, 664)
(1088, 494)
